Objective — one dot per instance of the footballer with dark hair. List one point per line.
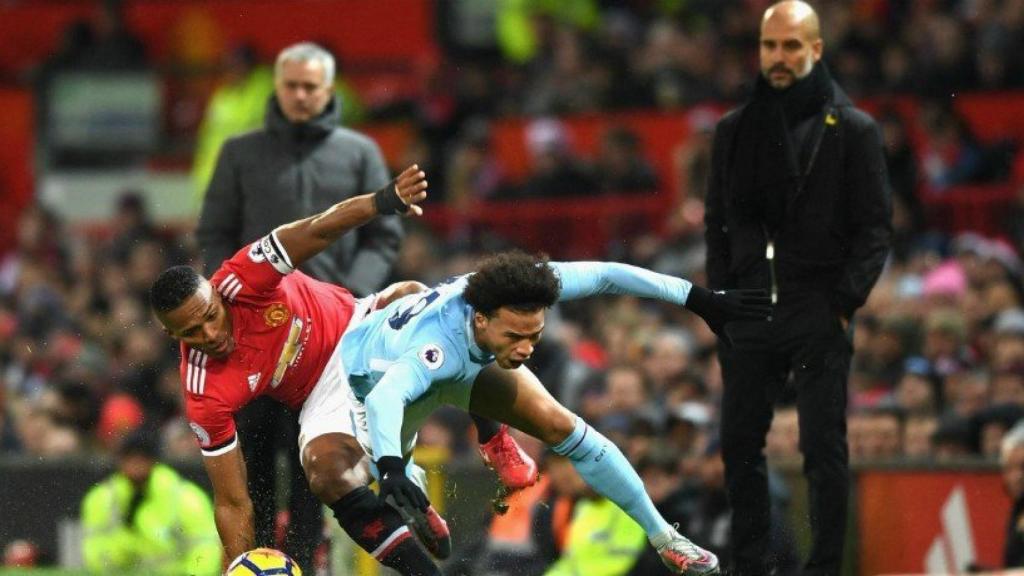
(464, 344)
(260, 327)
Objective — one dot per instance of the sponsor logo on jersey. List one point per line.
(432, 356)
(201, 434)
(289, 352)
(276, 314)
(254, 381)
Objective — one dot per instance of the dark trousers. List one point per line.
(804, 338)
(266, 427)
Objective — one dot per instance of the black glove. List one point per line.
(394, 483)
(723, 306)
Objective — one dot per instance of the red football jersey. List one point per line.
(285, 326)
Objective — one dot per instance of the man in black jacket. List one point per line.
(798, 203)
(300, 163)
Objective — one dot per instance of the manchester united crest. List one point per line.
(276, 314)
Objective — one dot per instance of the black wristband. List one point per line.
(391, 465)
(387, 202)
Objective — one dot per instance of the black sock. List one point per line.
(380, 530)
(485, 428)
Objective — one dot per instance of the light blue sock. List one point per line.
(603, 466)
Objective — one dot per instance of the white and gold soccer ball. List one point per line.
(263, 562)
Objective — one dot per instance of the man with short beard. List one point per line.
(798, 203)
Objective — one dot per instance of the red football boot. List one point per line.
(514, 467)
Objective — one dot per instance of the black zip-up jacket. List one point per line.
(285, 172)
(836, 233)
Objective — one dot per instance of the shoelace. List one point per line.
(683, 545)
(507, 448)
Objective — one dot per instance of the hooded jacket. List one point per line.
(833, 229)
(285, 172)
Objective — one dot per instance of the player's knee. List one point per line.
(334, 473)
(560, 423)
(328, 481)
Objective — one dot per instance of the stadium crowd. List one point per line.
(938, 370)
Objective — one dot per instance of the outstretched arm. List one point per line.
(303, 239)
(581, 279)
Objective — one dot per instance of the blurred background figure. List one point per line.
(147, 517)
(1011, 457)
(600, 538)
(238, 104)
(556, 171)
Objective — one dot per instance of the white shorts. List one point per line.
(326, 410)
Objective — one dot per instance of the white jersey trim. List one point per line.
(230, 286)
(195, 378)
(223, 449)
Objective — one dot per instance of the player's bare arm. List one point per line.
(305, 238)
(232, 506)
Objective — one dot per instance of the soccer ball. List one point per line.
(263, 562)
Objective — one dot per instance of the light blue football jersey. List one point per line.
(418, 353)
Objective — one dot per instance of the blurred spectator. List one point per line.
(1011, 457)
(569, 81)
(601, 538)
(130, 522)
(1008, 346)
(783, 440)
(237, 105)
(474, 172)
(901, 165)
(918, 431)
(692, 159)
(667, 357)
(620, 166)
(951, 440)
(989, 425)
(917, 391)
(673, 66)
(556, 172)
(519, 542)
(686, 427)
(39, 245)
(951, 154)
(875, 434)
(130, 225)
(1008, 386)
(945, 337)
(115, 46)
(120, 415)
